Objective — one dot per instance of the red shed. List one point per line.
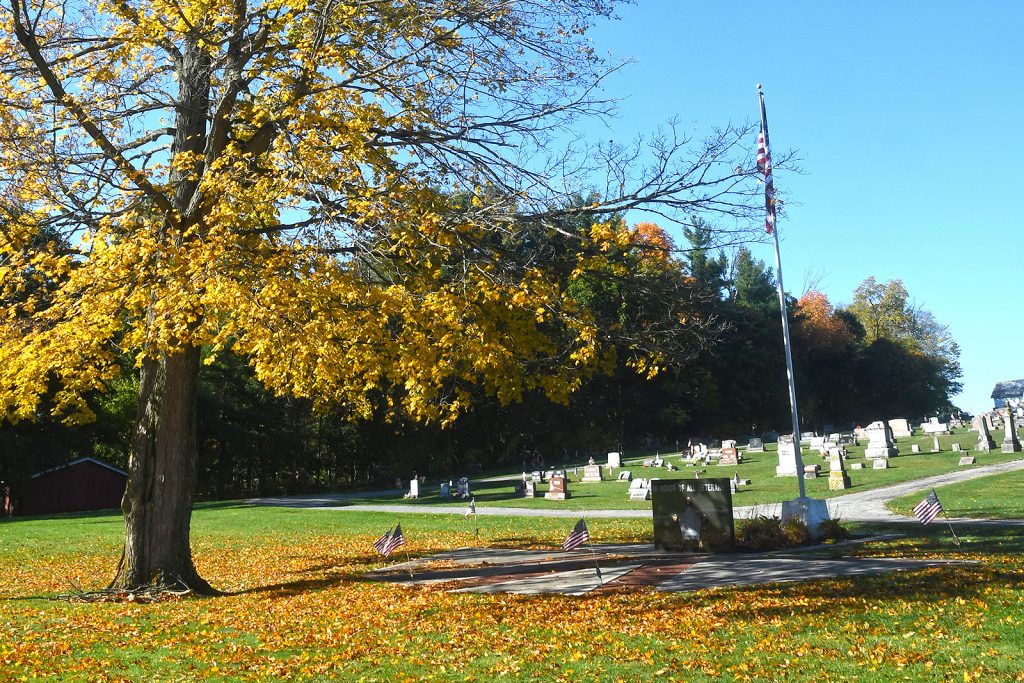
(83, 484)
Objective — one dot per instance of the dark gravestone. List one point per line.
(693, 514)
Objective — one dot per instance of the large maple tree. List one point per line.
(332, 189)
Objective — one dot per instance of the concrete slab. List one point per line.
(576, 582)
(746, 571)
(530, 572)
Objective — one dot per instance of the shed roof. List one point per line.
(1013, 388)
(79, 461)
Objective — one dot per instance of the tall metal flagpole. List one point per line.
(769, 199)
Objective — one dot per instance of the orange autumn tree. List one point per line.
(335, 191)
(821, 329)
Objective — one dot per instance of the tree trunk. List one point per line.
(157, 503)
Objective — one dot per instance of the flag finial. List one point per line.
(758, 86)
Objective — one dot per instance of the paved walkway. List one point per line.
(865, 506)
(613, 567)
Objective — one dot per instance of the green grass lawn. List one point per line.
(996, 496)
(759, 468)
(298, 608)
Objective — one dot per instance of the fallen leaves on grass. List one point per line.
(301, 610)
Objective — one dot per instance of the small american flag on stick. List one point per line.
(928, 509)
(393, 542)
(577, 537)
(381, 542)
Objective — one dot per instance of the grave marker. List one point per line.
(691, 515)
(838, 479)
(558, 489)
(638, 490)
(879, 441)
(787, 457)
(967, 460)
(900, 427)
(1011, 444)
(591, 473)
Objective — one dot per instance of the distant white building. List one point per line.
(1010, 390)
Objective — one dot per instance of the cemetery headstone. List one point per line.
(857, 466)
(730, 455)
(915, 448)
(967, 460)
(691, 515)
(591, 473)
(462, 488)
(755, 445)
(446, 490)
(787, 457)
(956, 447)
(529, 489)
(879, 441)
(1011, 444)
(811, 471)
(933, 426)
(935, 444)
(638, 490)
(880, 464)
(985, 441)
(900, 427)
(615, 460)
(558, 489)
(838, 479)
(414, 488)
(625, 475)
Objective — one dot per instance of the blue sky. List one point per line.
(904, 116)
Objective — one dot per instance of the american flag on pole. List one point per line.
(381, 542)
(471, 510)
(928, 509)
(577, 537)
(394, 541)
(764, 166)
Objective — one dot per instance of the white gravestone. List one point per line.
(900, 427)
(787, 457)
(615, 460)
(879, 441)
(591, 473)
(625, 475)
(639, 490)
(985, 441)
(933, 426)
(414, 488)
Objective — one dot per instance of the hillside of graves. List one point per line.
(754, 472)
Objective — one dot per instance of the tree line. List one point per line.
(660, 382)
